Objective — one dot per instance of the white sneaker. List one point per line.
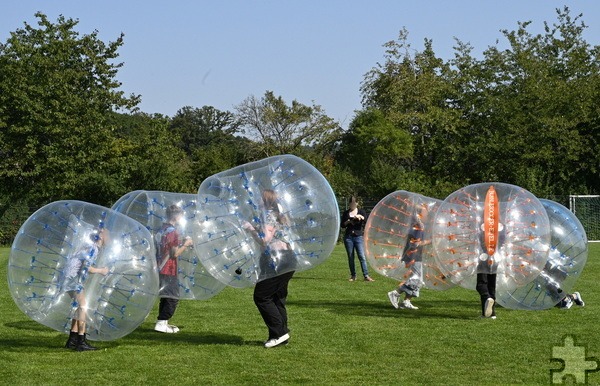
(394, 296)
(577, 299)
(276, 342)
(163, 326)
(407, 304)
(488, 308)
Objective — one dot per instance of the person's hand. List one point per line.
(103, 271)
(188, 242)
(360, 217)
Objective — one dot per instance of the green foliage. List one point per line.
(281, 129)
(526, 115)
(341, 333)
(56, 91)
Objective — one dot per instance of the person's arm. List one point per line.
(102, 270)
(346, 219)
(178, 250)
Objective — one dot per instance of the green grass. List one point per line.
(342, 333)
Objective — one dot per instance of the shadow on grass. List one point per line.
(146, 335)
(451, 309)
(141, 336)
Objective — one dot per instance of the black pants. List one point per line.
(270, 297)
(169, 288)
(486, 286)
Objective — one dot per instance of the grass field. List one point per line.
(341, 333)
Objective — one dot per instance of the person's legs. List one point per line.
(169, 299)
(349, 244)
(82, 343)
(360, 250)
(270, 306)
(485, 282)
(280, 298)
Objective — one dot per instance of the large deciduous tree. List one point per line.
(57, 91)
(280, 129)
(527, 114)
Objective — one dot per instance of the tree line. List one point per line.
(527, 114)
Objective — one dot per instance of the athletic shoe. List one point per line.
(577, 299)
(368, 278)
(276, 342)
(566, 303)
(488, 307)
(163, 326)
(408, 305)
(394, 297)
(352, 278)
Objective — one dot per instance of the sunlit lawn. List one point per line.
(342, 333)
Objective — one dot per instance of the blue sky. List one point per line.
(219, 52)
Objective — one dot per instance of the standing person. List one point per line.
(354, 220)
(486, 275)
(277, 265)
(412, 258)
(169, 247)
(76, 269)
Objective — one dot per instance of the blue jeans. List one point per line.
(355, 243)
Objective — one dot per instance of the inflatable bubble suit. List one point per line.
(51, 262)
(264, 218)
(398, 239)
(150, 209)
(491, 228)
(567, 257)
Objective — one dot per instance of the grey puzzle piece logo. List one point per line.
(575, 364)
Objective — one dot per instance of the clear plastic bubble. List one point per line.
(567, 257)
(265, 218)
(491, 228)
(150, 209)
(50, 264)
(398, 239)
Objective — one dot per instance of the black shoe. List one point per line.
(83, 345)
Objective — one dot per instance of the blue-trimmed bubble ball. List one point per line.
(150, 209)
(567, 257)
(492, 228)
(76, 260)
(265, 218)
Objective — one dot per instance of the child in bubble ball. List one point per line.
(553, 276)
(271, 290)
(413, 260)
(169, 247)
(78, 266)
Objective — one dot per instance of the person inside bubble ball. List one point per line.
(553, 275)
(413, 261)
(354, 220)
(169, 247)
(486, 274)
(277, 267)
(76, 269)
